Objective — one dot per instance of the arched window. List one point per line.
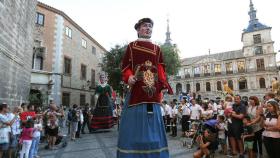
(230, 84)
(242, 84)
(219, 86)
(178, 88)
(188, 87)
(262, 83)
(197, 87)
(208, 86)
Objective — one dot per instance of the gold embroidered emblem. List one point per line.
(149, 78)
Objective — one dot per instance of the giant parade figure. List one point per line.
(103, 113)
(142, 132)
(275, 86)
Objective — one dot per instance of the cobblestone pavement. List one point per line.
(103, 145)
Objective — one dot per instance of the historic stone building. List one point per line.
(16, 30)
(248, 71)
(65, 59)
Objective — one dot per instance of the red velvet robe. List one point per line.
(144, 60)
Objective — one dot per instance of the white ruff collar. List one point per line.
(103, 84)
(144, 39)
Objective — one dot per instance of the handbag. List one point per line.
(4, 136)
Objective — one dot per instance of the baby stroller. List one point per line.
(197, 130)
(201, 126)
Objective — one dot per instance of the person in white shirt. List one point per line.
(115, 114)
(162, 108)
(173, 117)
(195, 111)
(221, 134)
(168, 113)
(38, 127)
(220, 107)
(186, 112)
(206, 111)
(80, 123)
(15, 131)
(5, 123)
(214, 108)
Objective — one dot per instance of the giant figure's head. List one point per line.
(144, 28)
(103, 77)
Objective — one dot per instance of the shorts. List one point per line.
(222, 141)
(52, 131)
(235, 131)
(248, 144)
(4, 147)
(14, 141)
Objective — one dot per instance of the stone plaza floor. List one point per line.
(103, 145)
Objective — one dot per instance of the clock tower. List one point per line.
(256, 37)
(257, 43)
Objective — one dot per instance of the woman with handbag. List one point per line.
(5, 129)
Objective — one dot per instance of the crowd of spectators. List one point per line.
(242, 126)
(22, 128)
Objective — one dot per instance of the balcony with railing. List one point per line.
(261, 68)
(240, 71)
(229, 72)
(178, 77)
(206, 74)
(218, 73)
(187, 76)
(244, 90)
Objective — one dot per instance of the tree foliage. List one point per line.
(171, 59)
(112, 65)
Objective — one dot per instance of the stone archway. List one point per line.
(262, 83)
(178, 88)
(208, 86)
(242, 84)
(197, 87)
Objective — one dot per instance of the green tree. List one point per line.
(112, 65)
(171, 59)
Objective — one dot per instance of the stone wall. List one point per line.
(17, 20)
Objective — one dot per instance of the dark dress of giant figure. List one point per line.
(103, 113)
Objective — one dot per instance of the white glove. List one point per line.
(131, 80)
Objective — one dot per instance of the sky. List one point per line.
(195, 25)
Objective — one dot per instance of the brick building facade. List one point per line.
(65, 60)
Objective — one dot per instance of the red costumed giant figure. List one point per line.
(142, 132)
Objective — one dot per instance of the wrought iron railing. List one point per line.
(251, 70)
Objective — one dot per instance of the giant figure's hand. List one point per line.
(131, 80)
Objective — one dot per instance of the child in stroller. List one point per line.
(198, 128)
(190, 134)
(192, 131)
